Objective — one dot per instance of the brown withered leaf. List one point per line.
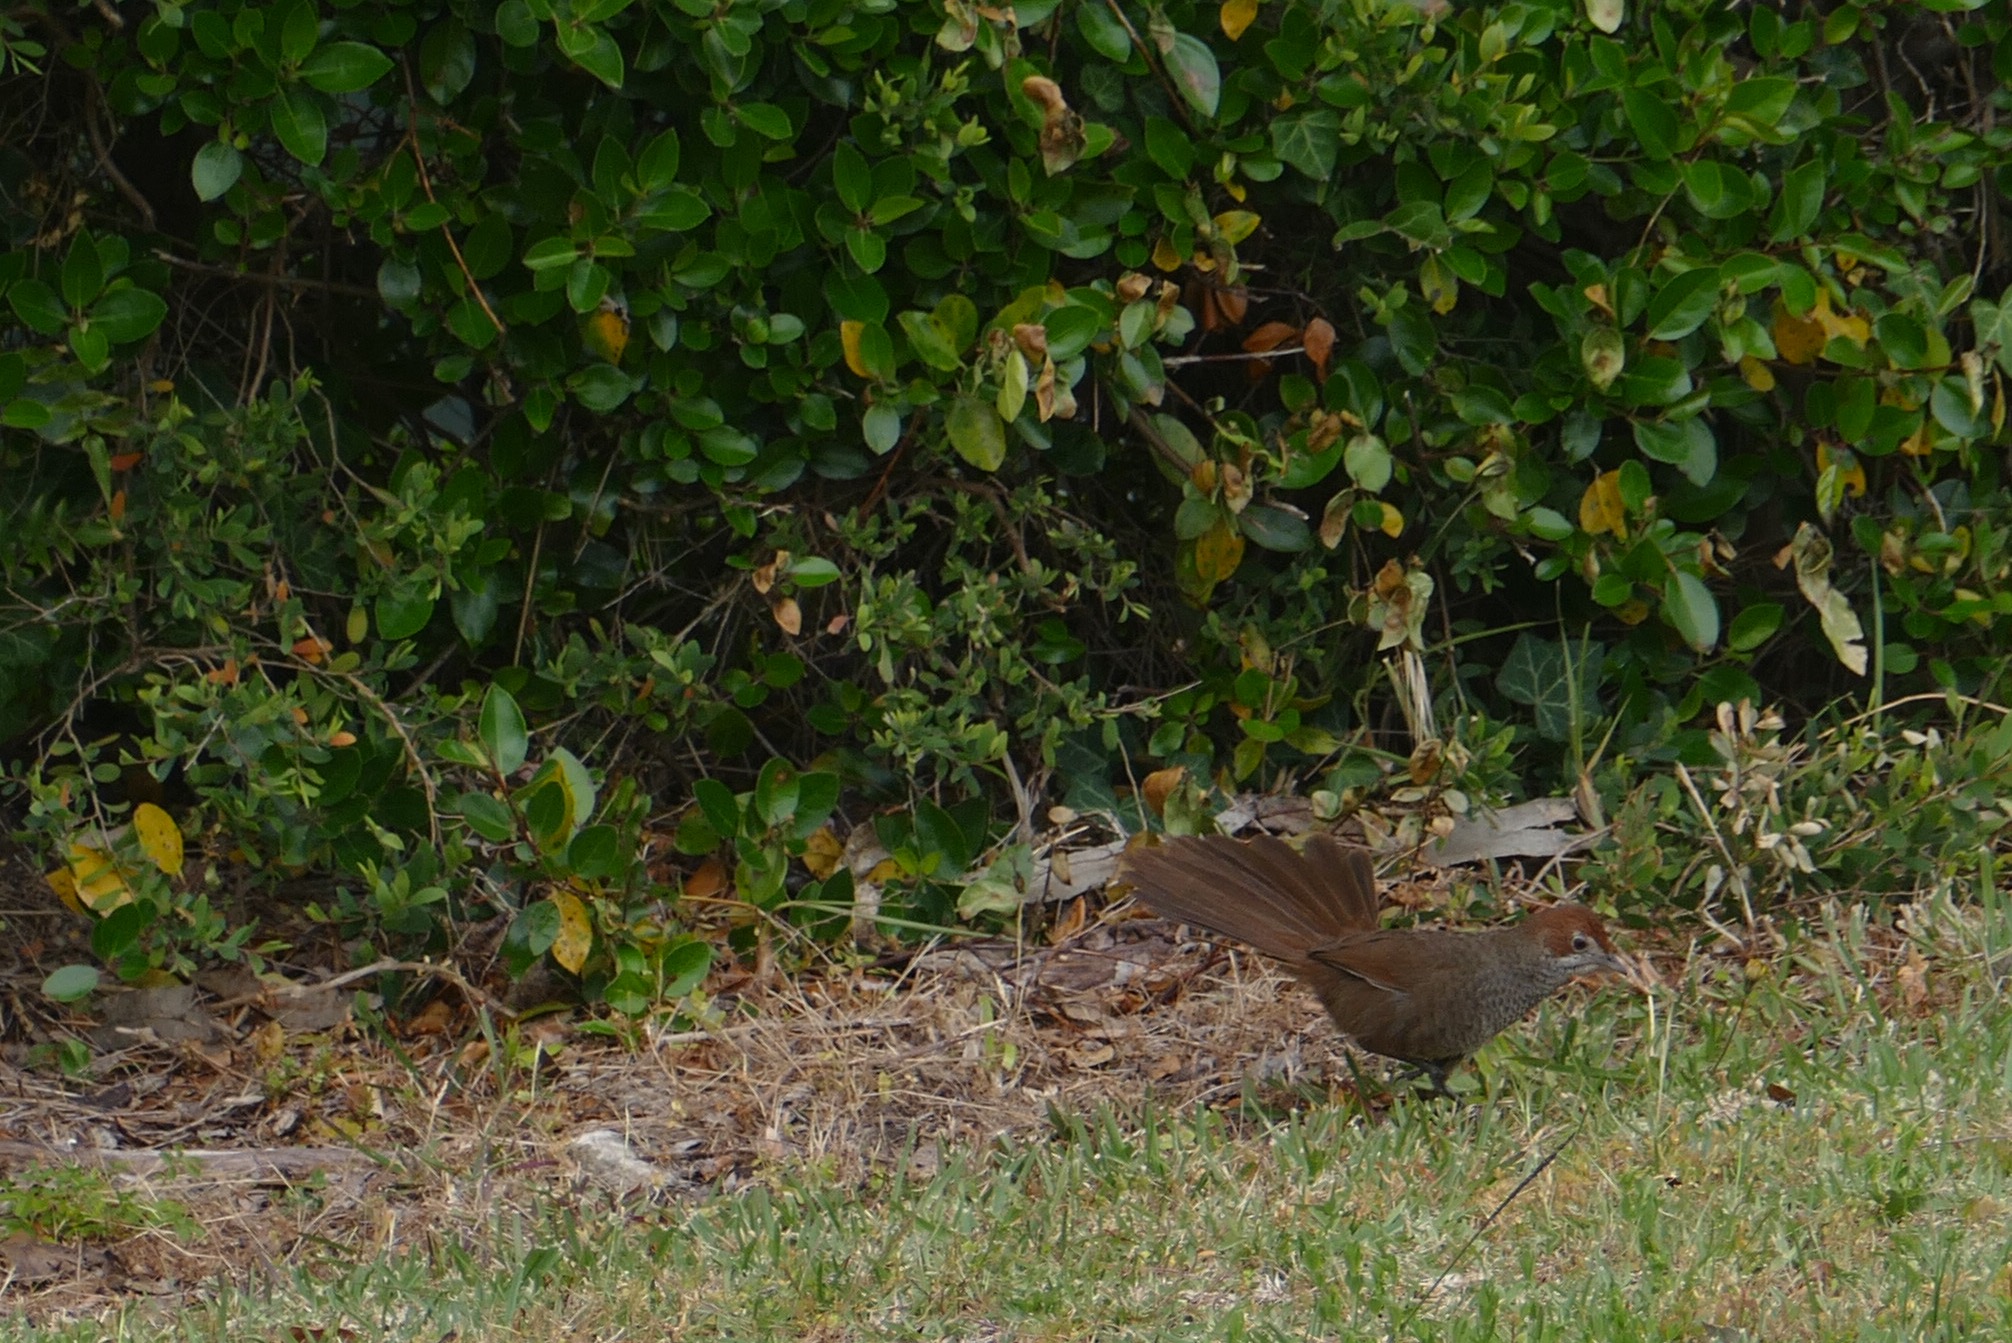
(1061, 127)
(1267, 337)
(1159, 784)
(788, 615)
(1319, 342)
(1070, 923)
(709, 880)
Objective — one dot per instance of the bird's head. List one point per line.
(1577, 942)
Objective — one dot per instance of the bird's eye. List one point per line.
(1580, 942)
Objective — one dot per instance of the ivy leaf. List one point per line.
(1309, 140)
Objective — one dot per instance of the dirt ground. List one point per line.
(299, 1130)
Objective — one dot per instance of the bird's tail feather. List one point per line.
(1259, 891)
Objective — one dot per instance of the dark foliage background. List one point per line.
(529, 459)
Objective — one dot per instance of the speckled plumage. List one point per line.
(1427, 997)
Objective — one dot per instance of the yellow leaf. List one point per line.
(608, 332)
(1164, 255)
(1852, 474)
(1632, 611)
(65, 886)
(1757, 374)
(1798, 339)
(1392, 525)
(1600, 507)
(822, 852)
(97, 879)
(1218, 552)
(160, 838)
(1917, 444)
(1236, 225)
(1236, 16)
(1437, 283)
(849, 333)
(576, 931)
(1846, 326)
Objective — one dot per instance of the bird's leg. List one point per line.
(1434, 1073)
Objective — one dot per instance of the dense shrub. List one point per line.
(414, 405)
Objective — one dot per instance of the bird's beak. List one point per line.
(1638, 976)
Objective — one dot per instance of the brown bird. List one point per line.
(1426, 997)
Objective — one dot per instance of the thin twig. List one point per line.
(1487, 1222)
(446, 229)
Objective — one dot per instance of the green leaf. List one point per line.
(1560, 682)
(1168, 146)
(592, 50)
(1992, 323)
(1420, 222)
(1367, 459)
(1762, 101)
(300, 126)
(1682, 305)
(853, 178)
(1903, 338)
(775, 793)
(216, 170)
(1716, 190)
(344, 67)
(1106, 36)
(1692, 610)
(548, 253)
(70, 984)
(83, 271)
(977, 432)
(596, 854)
(881, 427)
(128, 314)
(503, 730)
(1654, 122)
(1308, 139)
(722, 810)
(1754, 626)
(36, 304)
(600, 387)
(765, 119)
(487, 817)
(402, 615)
(1275, 528)
(1193, 67)
(684, 967)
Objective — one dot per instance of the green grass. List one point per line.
(1685, 1204)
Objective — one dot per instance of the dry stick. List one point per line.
(1487, 1222)
(1176, 100)
(446, 231)
(386, 966)
(275, 281)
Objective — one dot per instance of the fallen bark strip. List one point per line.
(277, 1165)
